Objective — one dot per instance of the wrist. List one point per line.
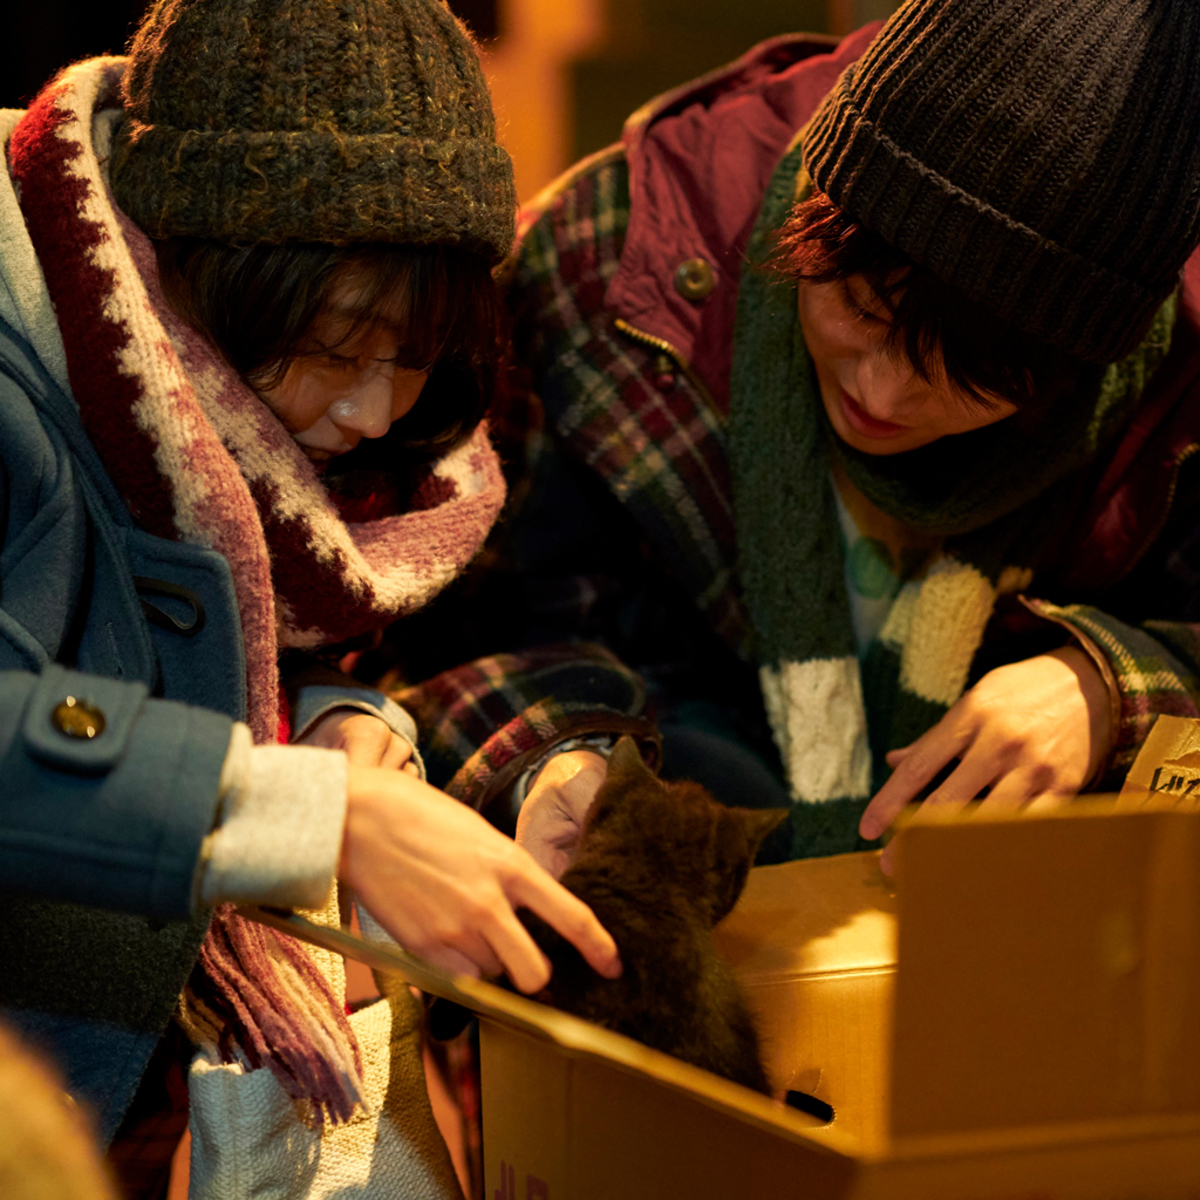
(562, 768)
(360, 800)
(1098, 697)
(383, 805)
(563, 762)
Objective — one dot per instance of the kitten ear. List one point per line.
(626, 765)
(740, 834)
(758, 822)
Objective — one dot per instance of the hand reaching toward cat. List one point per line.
(1030, 732)
(556, 807)
(445, 884)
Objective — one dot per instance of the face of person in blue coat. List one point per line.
(875, 400)
(350, 382)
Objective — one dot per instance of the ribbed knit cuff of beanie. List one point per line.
(260, 122)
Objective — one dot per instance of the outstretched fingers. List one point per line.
(536, 890)
(523, 961)
(965, 782)
(1030, 789)
(914, 770)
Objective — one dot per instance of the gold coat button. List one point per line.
(694, 279)
(77, 718)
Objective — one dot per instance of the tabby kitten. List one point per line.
(660, 864)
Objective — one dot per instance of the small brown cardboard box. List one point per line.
(1039, 1040)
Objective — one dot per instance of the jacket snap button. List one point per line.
(77, 718)
(694, 279)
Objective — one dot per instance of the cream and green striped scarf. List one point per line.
(986, 493)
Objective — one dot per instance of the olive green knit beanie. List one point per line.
(334, 121)
(1043, 156)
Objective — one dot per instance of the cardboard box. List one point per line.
(1040, 1039)
(1046, 1038)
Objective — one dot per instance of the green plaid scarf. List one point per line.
(986, 493)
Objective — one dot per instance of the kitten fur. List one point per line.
(660, 864)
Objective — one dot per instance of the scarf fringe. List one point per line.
(263, 985)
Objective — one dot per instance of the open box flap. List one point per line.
(1049, 969)
(575, 1037)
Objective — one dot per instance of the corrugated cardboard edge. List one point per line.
(575, 1037)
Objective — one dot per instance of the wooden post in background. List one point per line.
(842, 17)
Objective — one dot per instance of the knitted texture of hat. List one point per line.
(251, 121)
(1043, 156)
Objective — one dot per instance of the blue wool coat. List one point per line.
(99, 838)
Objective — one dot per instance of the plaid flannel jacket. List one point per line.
(605, 403)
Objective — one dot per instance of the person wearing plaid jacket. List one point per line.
(1000, 610)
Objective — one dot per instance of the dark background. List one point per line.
(647, 47)
(44, 35)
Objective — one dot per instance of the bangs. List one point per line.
(258, 305)
(941, 332)
(427, 295)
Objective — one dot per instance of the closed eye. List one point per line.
(864, 311)
(401, 364)
(339, 362)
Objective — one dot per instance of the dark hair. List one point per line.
(934, 325)
(257, 304)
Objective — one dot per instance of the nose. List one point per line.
(889, 388)
(367, 411)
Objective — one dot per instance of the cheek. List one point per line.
(835, 338)
(406, 391)
(301, 399)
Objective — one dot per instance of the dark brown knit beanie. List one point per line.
(1043, 156)
(335, 121)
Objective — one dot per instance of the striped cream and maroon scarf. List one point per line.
(198, 458)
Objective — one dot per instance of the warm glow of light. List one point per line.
(527, 71)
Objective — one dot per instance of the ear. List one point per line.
(625, 783)
(758, 822)
(739, 836)
(626, 765)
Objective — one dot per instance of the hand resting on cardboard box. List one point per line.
(1031, 732)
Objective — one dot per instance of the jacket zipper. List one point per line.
(665, 347)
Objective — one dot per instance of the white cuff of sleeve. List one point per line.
(279, 833)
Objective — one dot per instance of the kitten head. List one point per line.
(676, 830)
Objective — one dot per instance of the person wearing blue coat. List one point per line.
(247, 333)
